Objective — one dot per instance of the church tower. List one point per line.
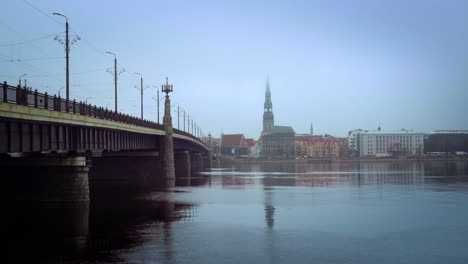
(268, 118)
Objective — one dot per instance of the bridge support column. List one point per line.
(182, 164)
(46, 203)
(46, 179)
(196, 163)
(168, 143)
(207, 162)
(126, 172)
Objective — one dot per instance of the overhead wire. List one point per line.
(33, 68)
(31, 59)
(29, 40)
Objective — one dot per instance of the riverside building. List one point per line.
(380, 143)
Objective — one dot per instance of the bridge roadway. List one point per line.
(70, 145)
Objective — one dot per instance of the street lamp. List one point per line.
(60, 90)
(141, 92)
(115, 77)
(67, 52)
(157, 100)
(86, 100)
(22, 75)
(166, 88)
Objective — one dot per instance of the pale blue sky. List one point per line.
(339, 64)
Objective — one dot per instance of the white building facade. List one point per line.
(353, 141)
(390, 143)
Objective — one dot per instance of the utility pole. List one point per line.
(141, 92)
(115, 78)
(67, 53)
(115, 82)
(67, 58)
(141, 95)
(158, 106)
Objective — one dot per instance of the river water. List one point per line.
(343, 212)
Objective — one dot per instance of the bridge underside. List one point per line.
(63, 161)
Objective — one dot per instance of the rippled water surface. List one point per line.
(280, 213)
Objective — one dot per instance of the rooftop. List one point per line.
(282, 129)
(392, 132)
(448, 131)
(232, 140)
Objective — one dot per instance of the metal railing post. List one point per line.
(18, 94)
(35, 98)
(46, 101)
(5, 92)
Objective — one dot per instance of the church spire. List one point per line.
(268, 103)
(268, 118)
(311, 129)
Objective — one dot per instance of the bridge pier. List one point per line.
(46, 179)
(196, 163)
(126, 172)
(207, 162)
(182, 164)
(45, 203)
(168, 143)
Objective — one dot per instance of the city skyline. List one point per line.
(341, 66)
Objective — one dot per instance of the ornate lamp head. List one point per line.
(166, 88)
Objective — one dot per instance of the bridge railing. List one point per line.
(27, 97)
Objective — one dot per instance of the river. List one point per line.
(340, 212)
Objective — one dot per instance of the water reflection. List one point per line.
(47, 231)
(269, 208)
(263, 213)
(114, 220)
(342, 173)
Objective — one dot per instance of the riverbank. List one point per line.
(227, 160)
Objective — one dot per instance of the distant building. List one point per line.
(278, 142)
(343, 146)
(251, 145)
(213, 143)
(275, 141)
(390, 143)
(353, 142)
(317, 146)
(234, 145)
(446, 141)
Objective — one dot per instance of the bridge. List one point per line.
(63, 147)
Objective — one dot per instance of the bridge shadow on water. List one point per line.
(77, 232)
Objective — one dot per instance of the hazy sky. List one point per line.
(339, 64)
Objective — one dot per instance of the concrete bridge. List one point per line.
(58, 148)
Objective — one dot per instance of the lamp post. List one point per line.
(141, 92)
(60, 90)
(86, 100)
(157, 100)
(22, 75)
(115, 77)
(184, 119)
(209, 140)
(67, 52)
